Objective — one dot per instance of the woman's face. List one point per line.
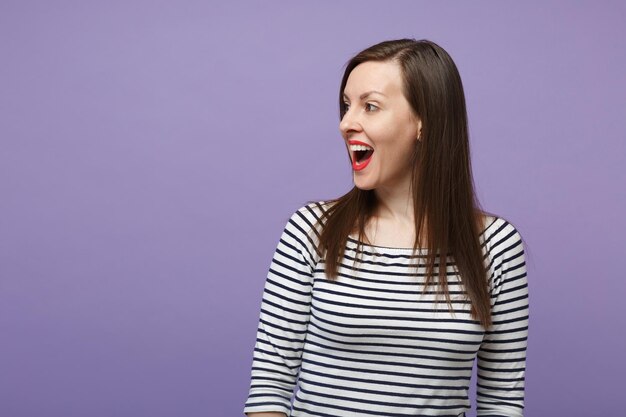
(383, 121)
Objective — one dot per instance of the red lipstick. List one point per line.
(356, 165)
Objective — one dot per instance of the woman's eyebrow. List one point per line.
(364, 95)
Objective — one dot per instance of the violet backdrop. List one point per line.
(152, 151)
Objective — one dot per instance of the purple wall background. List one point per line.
(151, 153)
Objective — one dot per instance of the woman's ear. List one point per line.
(419, 130)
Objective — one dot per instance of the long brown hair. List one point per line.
(442, 185)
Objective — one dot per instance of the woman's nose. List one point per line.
(348, 123)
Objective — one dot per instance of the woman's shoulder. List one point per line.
(305, 226)
(317, 205)
(313, 211)
(308, 218)
(499, 233)
(492, 221)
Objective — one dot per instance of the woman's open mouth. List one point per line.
(361, 155)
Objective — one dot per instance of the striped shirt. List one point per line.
(370, 344)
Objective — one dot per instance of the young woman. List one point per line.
(350, 314)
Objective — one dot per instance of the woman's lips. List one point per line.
(358, 166)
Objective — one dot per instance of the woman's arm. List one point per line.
(266, 414)
(283, 322)
(501, 360)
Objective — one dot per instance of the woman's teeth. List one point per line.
(359, 148)
(360, 151)
(361, 158)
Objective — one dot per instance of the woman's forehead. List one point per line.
(371, 76)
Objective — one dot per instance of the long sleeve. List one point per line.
(283, 321)
(501, 359)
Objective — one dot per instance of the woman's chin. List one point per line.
(365, 186)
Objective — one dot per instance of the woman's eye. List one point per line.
(347, 106)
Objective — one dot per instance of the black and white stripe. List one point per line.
(369, 344)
